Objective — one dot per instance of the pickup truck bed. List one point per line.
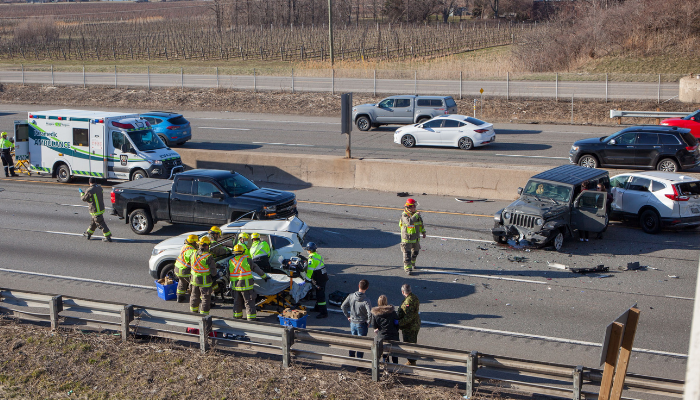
(150, 184)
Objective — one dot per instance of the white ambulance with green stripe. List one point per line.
(108, 145)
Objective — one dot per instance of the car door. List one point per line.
(209, 204)
(428, 134)
(182, 201)
(385, 111)
(118, 158)
(451, 131)
(647, 149)
(636, 195)
(618, 186)
(620, 150)
(589, 211)
(403, 111)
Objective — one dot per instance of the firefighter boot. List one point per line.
(182, 298)
(107, 238)
(87, 235)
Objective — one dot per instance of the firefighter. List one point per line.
(5, 148)
(241, 269)
(260, 252)
(244, 240)
(203, 272)
(215, 236)
(316, 273)
(183, 266)
(411, 225)
(93, 196)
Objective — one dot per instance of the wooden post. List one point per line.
(578, 382)
(611, 361)
(625, 351)
(619, 119)
(204, 329)
(377, 350)
(472, 366)
(658, 120)
(287, 341)
(55, 307)
(127, 317)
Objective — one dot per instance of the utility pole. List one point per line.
(330, 29)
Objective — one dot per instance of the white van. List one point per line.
(108, 145)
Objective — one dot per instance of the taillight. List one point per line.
(691, 148)
(675, 196)
(481, 130)
(172, 127)
(112, 197)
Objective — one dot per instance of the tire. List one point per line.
(499, 239)
(465, 143)
(668, 165)
(422, 119)
(165, 140)
(141, 222)
(63, 174)
(558, 241)
(408, 141)
(650, 222)
(168, 270)
(588, 161)
(363, 123)
(138, 174)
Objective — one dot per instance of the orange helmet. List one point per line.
(410, 202)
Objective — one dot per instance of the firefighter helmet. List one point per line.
(238, 249)
(244, 236)
(3, 134)
(411, 202)
(311, 246)
(192, 239)
(255, 235)
(204, 240)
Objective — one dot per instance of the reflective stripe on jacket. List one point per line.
(184, 261)
(6, 145)
(411, 227)
(93, 196)
(315, 264)
(241, 274)
(201, 269)
(259, 248)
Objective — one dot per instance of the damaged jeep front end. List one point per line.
(531, 228)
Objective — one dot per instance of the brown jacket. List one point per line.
(93, 196)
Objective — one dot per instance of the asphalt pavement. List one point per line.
(472, 296)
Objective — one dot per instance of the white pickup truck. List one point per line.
(402, 110)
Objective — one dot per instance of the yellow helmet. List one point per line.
(215, 229)
(238, 249)
(192, 239)
(255, 235)
(3, 134)
(244, 235)
(204, 240)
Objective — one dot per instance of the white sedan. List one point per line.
(447, 130)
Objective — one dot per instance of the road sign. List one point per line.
(481, 90)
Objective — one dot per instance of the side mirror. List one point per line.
(217, 195)
(520, 191)
(612, 141)
(576, 204)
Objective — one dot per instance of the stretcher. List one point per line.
(279, 292)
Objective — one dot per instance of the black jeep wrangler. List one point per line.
(552, 205)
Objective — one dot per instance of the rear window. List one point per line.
(656, 186)
(690, 139)
(184, 186)
(475, 121)
(647, 138)
(402, 103)
(639, 184)
(449, 102)
(669, 139)
(451, 123)
(429, 102)
(178, 120)
(688, 188)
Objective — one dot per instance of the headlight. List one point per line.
(156, 162)
(549, 225)
(157, 251)
(506, 215)
(574, 148)
(539, 221)
(270, 208)
(664, 123)
(497, 217)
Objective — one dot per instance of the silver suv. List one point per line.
(402, 110)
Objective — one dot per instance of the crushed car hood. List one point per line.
(531, 206)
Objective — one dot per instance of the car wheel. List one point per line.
(408, 141)
(138, 174)
(558, 241)
(650, 222)
(168, 271)
(500, 239)
(588, 161)
(423, 119)
(363, 124)
(141, 222)
(63, 174)
(465, 143)
(668, 165)
(164, 139)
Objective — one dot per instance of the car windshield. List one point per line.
(548, 190)
(145, 140)
(691, 115)
(237, 185)
(611, 136)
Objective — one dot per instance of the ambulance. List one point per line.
(107, 145)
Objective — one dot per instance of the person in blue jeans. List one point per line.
(357, 309)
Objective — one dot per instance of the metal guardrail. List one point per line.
(469, 368)
(619, 114)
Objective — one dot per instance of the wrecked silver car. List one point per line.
(552, 205)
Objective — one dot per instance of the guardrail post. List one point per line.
(619, 119)
(377, 351)
(472, 366)
(204, 329)
(127, 317)
(658, 120)
(287, 342)
(55, 307)
(578, 382)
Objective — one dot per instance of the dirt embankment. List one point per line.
(319, 104)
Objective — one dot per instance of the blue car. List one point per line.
(173, 129)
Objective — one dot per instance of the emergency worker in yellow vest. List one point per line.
(411, 225)
(183, 267)
(203, 272)
(215, 236)
(244, 240)
(6, 155)
(317, 274)
(260, 252)
(241, 270)
(93, 196)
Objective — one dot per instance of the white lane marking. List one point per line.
(680, 297)
(72, 278)
(520, 155)
(231, 129)
(335, 233)
(437, 271)
(75, 234)
(449, 238)
(285, 144)
(79, 205)
(539, 337)
(270, 120)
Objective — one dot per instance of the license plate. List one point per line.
(694, 210)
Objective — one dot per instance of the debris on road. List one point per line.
(469, 200)
(481, 248)
(557, 265)
(633, 266)
(674, 276)
(598, 268)
(517, 259)
(402, 194)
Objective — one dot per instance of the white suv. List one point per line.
(657, 199)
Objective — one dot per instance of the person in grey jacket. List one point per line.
(357, 308)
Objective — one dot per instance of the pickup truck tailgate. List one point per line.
(156, 185)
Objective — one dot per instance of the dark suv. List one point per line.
(172, 128)
(666, 148)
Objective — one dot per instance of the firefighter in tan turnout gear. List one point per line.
(241, 268)
(203, 272)
(183, 267)
(411, 225)
(93, 197)
(215, 236)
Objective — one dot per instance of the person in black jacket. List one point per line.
(385, 322)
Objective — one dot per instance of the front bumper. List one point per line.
(539, 238)
(164, 171)
(153, 266)
(573, 157)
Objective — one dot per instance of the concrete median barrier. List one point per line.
(453, 179)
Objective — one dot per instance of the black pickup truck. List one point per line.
(200, 197)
